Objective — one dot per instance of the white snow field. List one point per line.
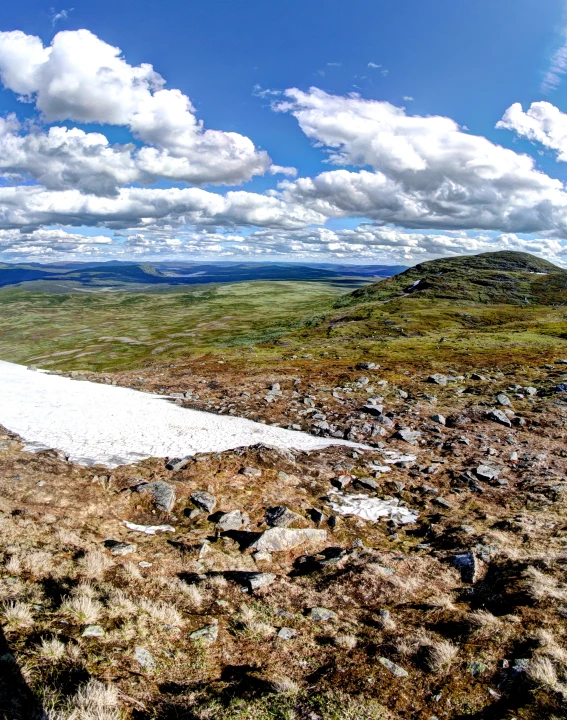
(96, 424)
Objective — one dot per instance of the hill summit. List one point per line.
(496, 277)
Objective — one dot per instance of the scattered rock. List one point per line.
(409, 436)
(281, 516)
(499, 417)
(487, 472)
(120, 548)
(438, 379)
(280, 539)
(204, 500)
(206, 635)
(93, 631)
(258, 580)
(287, 633)
(440, 419)
(233, 520)
(145, 658)
(176, 464)
(321, 614)
(467, 563)
(163, 494)
(503, 400)
(393, 668)
(252, 472)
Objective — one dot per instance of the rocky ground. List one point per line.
(258, 597)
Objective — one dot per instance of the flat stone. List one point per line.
(280, 539)
(371, 409)
(438, 379)
(409, 436)
(393, 668)
(204, 500)
(206, 635)
(499, 417)
(281, 516)
(120, 548)
(503, 400)
(440, 419)
(259, 580)
(163, 494)
(233, 520)
(531, 391)
(145, 658)
(321, 614)
(93, 631)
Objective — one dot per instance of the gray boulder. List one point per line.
(163, 494)
(409, 436)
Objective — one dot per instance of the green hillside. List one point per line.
(507, 277)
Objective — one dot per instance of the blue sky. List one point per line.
(468, 62)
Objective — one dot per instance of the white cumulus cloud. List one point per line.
(81, 78)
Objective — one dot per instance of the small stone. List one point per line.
(176, 464)
(280, 516)
(145, 658)
(287, 633)
(93, 631)
(120, 548)
(321, 614)
(252, 472)
(403, 394)
(233, 520)
(204, 500)
(499, 417)
(440, 419)
(206, 635)
(438, 379)
(317, 516)
(531, 391)
(144, 564)
(393, 668)
(503, 400)
(259, 580)
(476, 376)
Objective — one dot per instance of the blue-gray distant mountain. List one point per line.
(124, 275)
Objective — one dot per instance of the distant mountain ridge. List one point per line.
(121, 275)
(497, 277)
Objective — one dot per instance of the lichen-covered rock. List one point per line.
(280, 539)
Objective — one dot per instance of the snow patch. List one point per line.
(371, 508)
(96, 424)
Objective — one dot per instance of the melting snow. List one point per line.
(371, 508)
(103, 424)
